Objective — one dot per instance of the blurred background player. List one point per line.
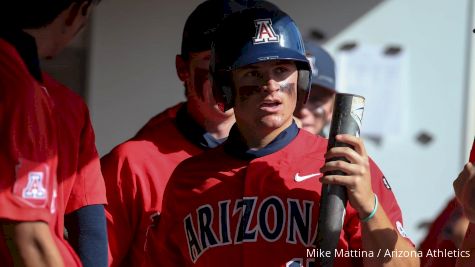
(31, 30)
(252, 201)
(317, 113)
(137, 170)
(447, 231)
(464, 187)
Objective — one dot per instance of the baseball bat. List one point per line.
(346, 119)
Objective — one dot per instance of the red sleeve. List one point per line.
(162, 248)
(439, 236)
(121, 218)
(387, 201)
(28, 150)
(386, 198)
(472, 153)
(89, 188)
(468, 246)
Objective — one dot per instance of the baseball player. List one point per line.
(137, 171)
(464, 187)
(446, 233)
(49, 161)
(253, 201)
(82, 185)
(317, 112)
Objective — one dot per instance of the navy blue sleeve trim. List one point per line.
(87, 234)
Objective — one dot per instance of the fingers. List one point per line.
(360, 193)
(459, 184)
(358, 177)
(344, 152)
(354, 141)
(355, 155)
(347, 168)
(358, 165)
(354, 174)
(464, 187)
(470, 169)
(343, 180)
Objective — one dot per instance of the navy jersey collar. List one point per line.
(236, 146)
(26, 47)
(193, 131)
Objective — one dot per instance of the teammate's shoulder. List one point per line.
(201, 170)
(50, 82)
(161, 119)
(61, 92)
(13, 72)
(130, 150)
(8, 54)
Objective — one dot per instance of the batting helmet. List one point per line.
(203, 21)
(251, 36)
(323, 66)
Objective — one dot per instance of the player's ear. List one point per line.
(182, 69)
(77, 10)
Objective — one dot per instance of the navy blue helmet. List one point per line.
(203, 21)
(251, 36)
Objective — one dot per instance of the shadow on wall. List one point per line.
(332, 17)
(70, 66)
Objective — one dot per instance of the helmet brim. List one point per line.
(279, 53)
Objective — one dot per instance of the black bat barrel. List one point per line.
(347, 116)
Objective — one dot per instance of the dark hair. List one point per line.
(31, 14)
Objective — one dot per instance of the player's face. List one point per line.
(199, 91)
(318, 110)
(266, 94)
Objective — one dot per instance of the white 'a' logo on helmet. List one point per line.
(264, 32)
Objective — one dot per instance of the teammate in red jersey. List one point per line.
(445, 233)
(464, 187)
(82, 186)
(253, 201)
(137, 171)
(28, 163)
(32, 30)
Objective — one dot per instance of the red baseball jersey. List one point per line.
(136, 173)
(439, 236)
(79, 168)
(29, 153)
(472, 153)
(221, 210)
(440, 232)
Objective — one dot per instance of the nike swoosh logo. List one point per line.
(299, 178)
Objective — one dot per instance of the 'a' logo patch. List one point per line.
(33, 183)
(35, 188)
(264, 32)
